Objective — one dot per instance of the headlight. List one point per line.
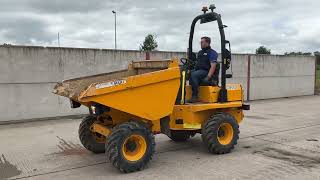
(93, 109)
(98, 109)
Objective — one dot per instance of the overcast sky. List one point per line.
(281, 25)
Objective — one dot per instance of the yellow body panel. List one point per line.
(101, 129)
(119, 117)
(149, 96)
(209, 94)
(194, 115)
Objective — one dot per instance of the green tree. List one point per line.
(298, 53)
(149, 43)
(263, 50)
(317, 54)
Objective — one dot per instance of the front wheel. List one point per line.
(130, 147)
(220, 133)
(92, 141)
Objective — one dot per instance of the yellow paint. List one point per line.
(209, 106)
(191, 126)
(101, 129)
(134, 147)
(183, 86)
(209, 94)
(174, 62)
(199, 113)
(155, 126)
(149, 96)
(225, 134)
(236, 113)
(119, 117)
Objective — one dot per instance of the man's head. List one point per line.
(205, 42)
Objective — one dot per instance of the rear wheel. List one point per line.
(92, 141)
(179, 136)
(130, 147)
(220, 133)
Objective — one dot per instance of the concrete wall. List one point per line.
(239, 71)
(281, 76)
(28, 74)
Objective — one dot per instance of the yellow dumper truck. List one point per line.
(128, 107)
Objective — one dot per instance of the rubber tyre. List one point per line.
(179, 136)
(87, 137)
(115, 142)
(210, 133)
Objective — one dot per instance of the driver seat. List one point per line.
(212, 82)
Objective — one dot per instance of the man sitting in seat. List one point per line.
(205, 69)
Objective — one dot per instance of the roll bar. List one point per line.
(205, 18)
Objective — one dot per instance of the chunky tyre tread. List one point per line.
(86, 138)
(114, 143)
(210, 129)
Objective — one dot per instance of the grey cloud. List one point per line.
(24, 30)
(52, 6)
(280, 25)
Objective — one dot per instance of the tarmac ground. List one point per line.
(279, 139)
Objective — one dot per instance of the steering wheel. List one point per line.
(187, 63)
(184, 61)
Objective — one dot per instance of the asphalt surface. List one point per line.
(279, 139)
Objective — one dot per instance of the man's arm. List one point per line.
(213, 57)
(212, 69)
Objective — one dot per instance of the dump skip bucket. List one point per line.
(148, 89)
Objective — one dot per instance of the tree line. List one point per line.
(265, 50)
